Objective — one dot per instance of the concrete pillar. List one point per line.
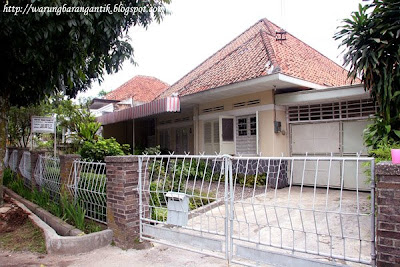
(123, 211)
(388, 216)
(34, 159)
(66, 168)
(21, 151)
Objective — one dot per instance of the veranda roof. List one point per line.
(168, 104)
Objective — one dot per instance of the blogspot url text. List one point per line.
(58, 10)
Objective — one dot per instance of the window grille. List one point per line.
(354, 109)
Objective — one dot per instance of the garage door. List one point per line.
(353, 144)
(316, 139)
(322, 139)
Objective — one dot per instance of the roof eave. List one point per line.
(269, 82)
(331, 94)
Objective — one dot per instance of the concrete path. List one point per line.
(110, 256)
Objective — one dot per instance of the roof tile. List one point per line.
(140, 88)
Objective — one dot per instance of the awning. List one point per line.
(168, 104)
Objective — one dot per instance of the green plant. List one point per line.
(92, 227)
(86, 131)
(200, 199)
(249, 179)
(98, 150)
(41, 198)
(380, 133)
(371, 39)
(73, 213)
(152, 150)
(8, 176)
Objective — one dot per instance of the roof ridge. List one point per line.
(217, 62)
(265, 21)
(219, 50)
(269, 49)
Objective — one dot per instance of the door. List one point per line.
(227, 134)
(211, 137)
(181, 141)
(246, 135)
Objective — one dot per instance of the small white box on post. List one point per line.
(178, 208)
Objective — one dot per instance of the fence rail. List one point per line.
(309, 207)
(87, 184)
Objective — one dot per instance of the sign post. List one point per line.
(45, 125)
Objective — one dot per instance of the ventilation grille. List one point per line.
(333, 111)
(218, 108)
(248, 103)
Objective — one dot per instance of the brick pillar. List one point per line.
(123, 200)
(388, 216)
(66, 165)
(34, 159)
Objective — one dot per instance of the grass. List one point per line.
(27, 237)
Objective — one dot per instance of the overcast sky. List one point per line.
(198, 28)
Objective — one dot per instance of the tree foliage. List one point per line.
(45, 53)
(371, 38)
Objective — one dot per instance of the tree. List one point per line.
(45, 53)
(372, 42)
(103, 93)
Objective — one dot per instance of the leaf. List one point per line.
(397, 132)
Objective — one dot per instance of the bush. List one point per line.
(8, 176)
(98, 150)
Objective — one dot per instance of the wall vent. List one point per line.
(217, 108)
(248, 103)
(354, 109)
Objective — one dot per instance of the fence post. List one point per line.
(34, 158)
(388, 214)
(123, 211)
(66, 168)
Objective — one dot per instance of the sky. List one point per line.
(196, 29)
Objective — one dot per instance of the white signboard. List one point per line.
(43, 124)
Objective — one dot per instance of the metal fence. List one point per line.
(87, 184)
(25, 168)
(260, 209)
(47, 175)
(13, 160)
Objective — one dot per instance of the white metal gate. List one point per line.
(247, 209)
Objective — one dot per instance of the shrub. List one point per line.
(8, 176)
(98, 150)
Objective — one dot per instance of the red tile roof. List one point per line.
(248, 54)
(140, 88)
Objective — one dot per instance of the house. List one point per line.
(135, 92)
(264, 93)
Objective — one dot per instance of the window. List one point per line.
(253, 126)
(247, 126)
(227, 130)
(242, 126)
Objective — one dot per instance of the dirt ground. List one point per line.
(11, 216)
(158, 255)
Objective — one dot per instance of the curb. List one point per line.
(65, 245)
